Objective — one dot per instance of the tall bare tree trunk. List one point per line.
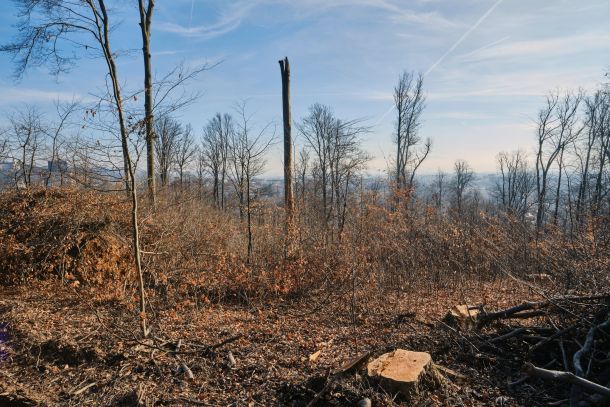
(288, 195)
(145, 21)
(104, 31)
(558, 191)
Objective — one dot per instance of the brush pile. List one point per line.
(76, 236)
(562, 344)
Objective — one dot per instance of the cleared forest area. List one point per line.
(147, 262)
(227, 327)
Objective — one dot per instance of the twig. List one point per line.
(551, 338)
(83, 389)
(509, 335)
(344, 370)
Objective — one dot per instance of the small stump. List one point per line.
(462, 316)
(401, 371)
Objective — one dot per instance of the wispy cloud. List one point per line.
(233, 15)
(533, 82)
(230, 18)
(539, 47)
(28, 95)
(450, 50)
(165, 53)
(464, 36)
(463, 115)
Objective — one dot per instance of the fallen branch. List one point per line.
(551, 338)
(587, 347)
(344, 370)
(508, 335)
(524, 378)
(513, 312)
(535, 308)
(567, 377)
(221, 344)
(577, 360)
(200, 348)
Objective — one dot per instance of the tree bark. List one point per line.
(566, 377)
(288, 194)
(145, 21)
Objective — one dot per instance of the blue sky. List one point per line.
(488, 63)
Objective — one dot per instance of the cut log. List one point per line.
(401, 371)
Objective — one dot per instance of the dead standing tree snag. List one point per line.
(288, 196)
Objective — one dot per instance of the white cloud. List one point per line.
(461, 82)
(232, 16)
(539, 48)
(28, 95)
(230, 19)
(165, 53)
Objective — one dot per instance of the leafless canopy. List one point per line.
(409, 100)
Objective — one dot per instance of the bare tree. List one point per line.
(462, 178)
(167, 145)
(247, 159)
(201, 170)
(338, 156)
(546, 134)
(146, 14)
(186, 152)
(215, 148)
(27, 140)
(301, 170)
(568, 130)
(56, 164)
(439, 188)
(592, 153)
(594, 108)
(557, 128)
(3, 144)
(409, 100)
(211, 158)
(516, 183)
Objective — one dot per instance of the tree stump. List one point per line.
(401, 371)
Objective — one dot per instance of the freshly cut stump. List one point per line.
(462, 316)
(401, 371)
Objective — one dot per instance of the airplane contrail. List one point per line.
(451, 49)
(191, 17)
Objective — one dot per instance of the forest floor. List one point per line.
(62, 346)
